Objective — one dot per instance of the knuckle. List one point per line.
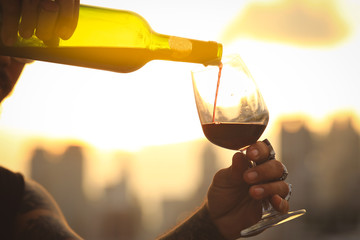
(270, 170)
(274, 169)
(278, 165)
(263, 148)
(284, 190)
(219, 175)
(238, 156)
(278, 187)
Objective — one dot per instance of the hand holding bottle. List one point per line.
(107, 39)
(47, 19)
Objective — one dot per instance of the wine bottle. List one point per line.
(115, 40)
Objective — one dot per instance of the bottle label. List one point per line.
(181, 47)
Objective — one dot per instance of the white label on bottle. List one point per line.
(181, 47)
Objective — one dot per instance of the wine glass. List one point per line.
(233, 115)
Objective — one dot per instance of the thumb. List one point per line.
(239, 165)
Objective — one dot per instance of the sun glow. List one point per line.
(147, 107)
(108, 110)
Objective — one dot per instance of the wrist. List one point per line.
(208, 224)
(199, 226)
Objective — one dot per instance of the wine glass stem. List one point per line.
(267, 209)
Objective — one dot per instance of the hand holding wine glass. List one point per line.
(233, 115)
(232, 205)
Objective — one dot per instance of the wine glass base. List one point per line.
(271, 220)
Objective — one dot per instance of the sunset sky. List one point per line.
(303, 54)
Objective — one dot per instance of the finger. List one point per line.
(279, 204)
(258, 152)
(75, 19)
(67, 19)
(48, 14)
(29, 16)
(264, 191)
(10, 21)
(266, 172)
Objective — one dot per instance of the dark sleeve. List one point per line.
(11, 194)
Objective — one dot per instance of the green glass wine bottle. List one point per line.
(115, 40)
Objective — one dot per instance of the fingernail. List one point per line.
(252, 175)
(64, 32)
(254, 152)
(281, 205)
(259, 191)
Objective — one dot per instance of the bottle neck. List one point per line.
(186, 50)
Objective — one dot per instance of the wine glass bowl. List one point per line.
(232, 111)
(233, 115)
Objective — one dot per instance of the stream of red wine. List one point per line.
(217, 90)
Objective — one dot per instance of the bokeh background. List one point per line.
(124, 154)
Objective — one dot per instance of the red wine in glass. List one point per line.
(233, 136)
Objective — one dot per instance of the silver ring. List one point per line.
(285, 173)
(287, 198)
(272, 151)
(272, 156)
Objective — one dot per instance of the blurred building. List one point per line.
(176, 210)
(325, 173)
(62, 176)
(121, 212)
(116, 216)
(336, 180)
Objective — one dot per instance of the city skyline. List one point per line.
(314, 161)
